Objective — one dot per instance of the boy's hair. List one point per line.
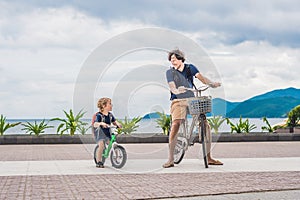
(102, 103)
(178, 54)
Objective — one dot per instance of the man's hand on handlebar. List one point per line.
(181, 89)
(214, 84)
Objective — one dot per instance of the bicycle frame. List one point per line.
(112, 143)
(188, 131)
(198, 107)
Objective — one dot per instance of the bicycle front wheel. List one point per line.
(96, 150)
(118, 156)
(204, 140)
(179, 151)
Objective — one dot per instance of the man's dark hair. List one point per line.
(178, 54)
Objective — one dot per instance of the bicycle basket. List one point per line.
(199, 105)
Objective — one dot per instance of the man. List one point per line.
(181, 76)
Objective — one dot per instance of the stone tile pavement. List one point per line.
(243, 176)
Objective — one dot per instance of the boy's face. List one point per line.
(108, 106)
(175, 62)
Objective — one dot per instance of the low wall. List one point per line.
(143, 138)
(287, 130)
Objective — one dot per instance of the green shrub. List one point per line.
(129, 126)
(5, 125)
(164, 122)
(215, 122)
(83, 129)
(268, 128)
(71, 124)
(294, 117)
(36, 128)
(241, 126)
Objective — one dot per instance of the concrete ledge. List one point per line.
(142, 138)
(78, 139)
(256, 137)
(44, 139)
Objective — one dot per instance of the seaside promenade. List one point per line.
(251, 170)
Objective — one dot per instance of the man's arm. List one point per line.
(206, 81)
(175, 90)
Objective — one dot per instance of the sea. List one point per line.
(144, 126)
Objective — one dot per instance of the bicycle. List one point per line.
(198, 106)
(117, 153)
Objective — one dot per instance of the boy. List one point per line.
(101, 122)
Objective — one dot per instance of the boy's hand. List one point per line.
(104, 125)
(119, 126)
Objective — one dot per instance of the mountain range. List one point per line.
(273, 104)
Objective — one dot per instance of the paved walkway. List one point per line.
(261, 170)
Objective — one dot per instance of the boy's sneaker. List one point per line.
(100, 165)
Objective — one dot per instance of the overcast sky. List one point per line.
(253, 44)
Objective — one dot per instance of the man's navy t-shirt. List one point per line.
(181, 79)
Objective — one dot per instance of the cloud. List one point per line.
(43, 44)
(63, 27)
(43, 57)
(252, 67)
(232, 22)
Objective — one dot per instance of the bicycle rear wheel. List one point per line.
(96, 154)
(204, 141)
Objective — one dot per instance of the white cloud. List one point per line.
(41, 60)
(252, 68)
(254, 45)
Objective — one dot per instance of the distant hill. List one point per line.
(274, 104)
(273, 108)
(221, 106)
(151, 116)
(288, 92)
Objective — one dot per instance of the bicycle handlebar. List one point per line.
(199, 89)
(112, 126)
